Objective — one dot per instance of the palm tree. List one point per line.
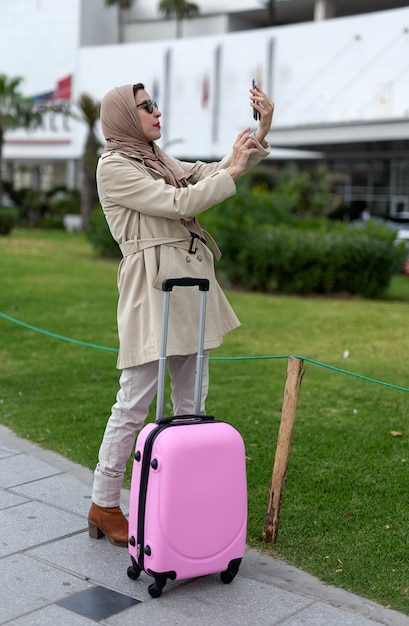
(16, 111)
(179, 8)
(123, 5)
(90, 111)
(271, 12)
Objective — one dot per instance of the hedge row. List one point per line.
(291, 260)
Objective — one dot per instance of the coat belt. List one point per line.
(132, 246)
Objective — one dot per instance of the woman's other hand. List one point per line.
(244, 146)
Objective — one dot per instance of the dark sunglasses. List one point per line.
(149, 105)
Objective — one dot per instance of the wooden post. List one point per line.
(284, 440)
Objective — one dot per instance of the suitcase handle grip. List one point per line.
(169, 283)
(186, 419)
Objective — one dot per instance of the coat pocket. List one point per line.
(176, 262)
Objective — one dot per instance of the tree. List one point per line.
(271, 12)
(123, 6)
(180, 9)
(90, 112)
(16, 111)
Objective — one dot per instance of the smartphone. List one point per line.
(256, 114)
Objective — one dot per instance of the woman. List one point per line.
(151, 201)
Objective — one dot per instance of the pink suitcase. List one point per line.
(188, 501)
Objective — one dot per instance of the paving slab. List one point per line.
(319, 614)
(8, 499)
(27, 585)
(97, 561)
(6, 451)
(19, 469)
(52, 615)
(32, 523)
(61, 490)
(97, 603)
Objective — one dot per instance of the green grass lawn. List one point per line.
(345, 512)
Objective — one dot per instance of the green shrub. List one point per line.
(8, 220)
(43, 209)
(31, 204)
(331, 262)
(63, 201)
(100, 236)
(51, 222)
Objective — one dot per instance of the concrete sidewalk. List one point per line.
(51, 572)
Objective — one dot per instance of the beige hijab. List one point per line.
(123, 132)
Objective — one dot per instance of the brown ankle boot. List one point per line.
(110, 522)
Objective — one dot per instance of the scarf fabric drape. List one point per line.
(123, 133)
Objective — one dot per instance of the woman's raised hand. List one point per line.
(244, 146)
(265, 107)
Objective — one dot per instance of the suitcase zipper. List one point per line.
(146, 460)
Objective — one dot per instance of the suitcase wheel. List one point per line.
(230, 573)
(155, 589)
(133, 571)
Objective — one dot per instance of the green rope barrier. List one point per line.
(303, 358)
(214, 358)
(54, 335)
(337, 369)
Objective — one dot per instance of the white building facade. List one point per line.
(339, 77)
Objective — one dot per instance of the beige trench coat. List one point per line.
(145, 216)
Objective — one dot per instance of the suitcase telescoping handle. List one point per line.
(167, 286)
(169, 283)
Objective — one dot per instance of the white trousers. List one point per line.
(138, 386)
